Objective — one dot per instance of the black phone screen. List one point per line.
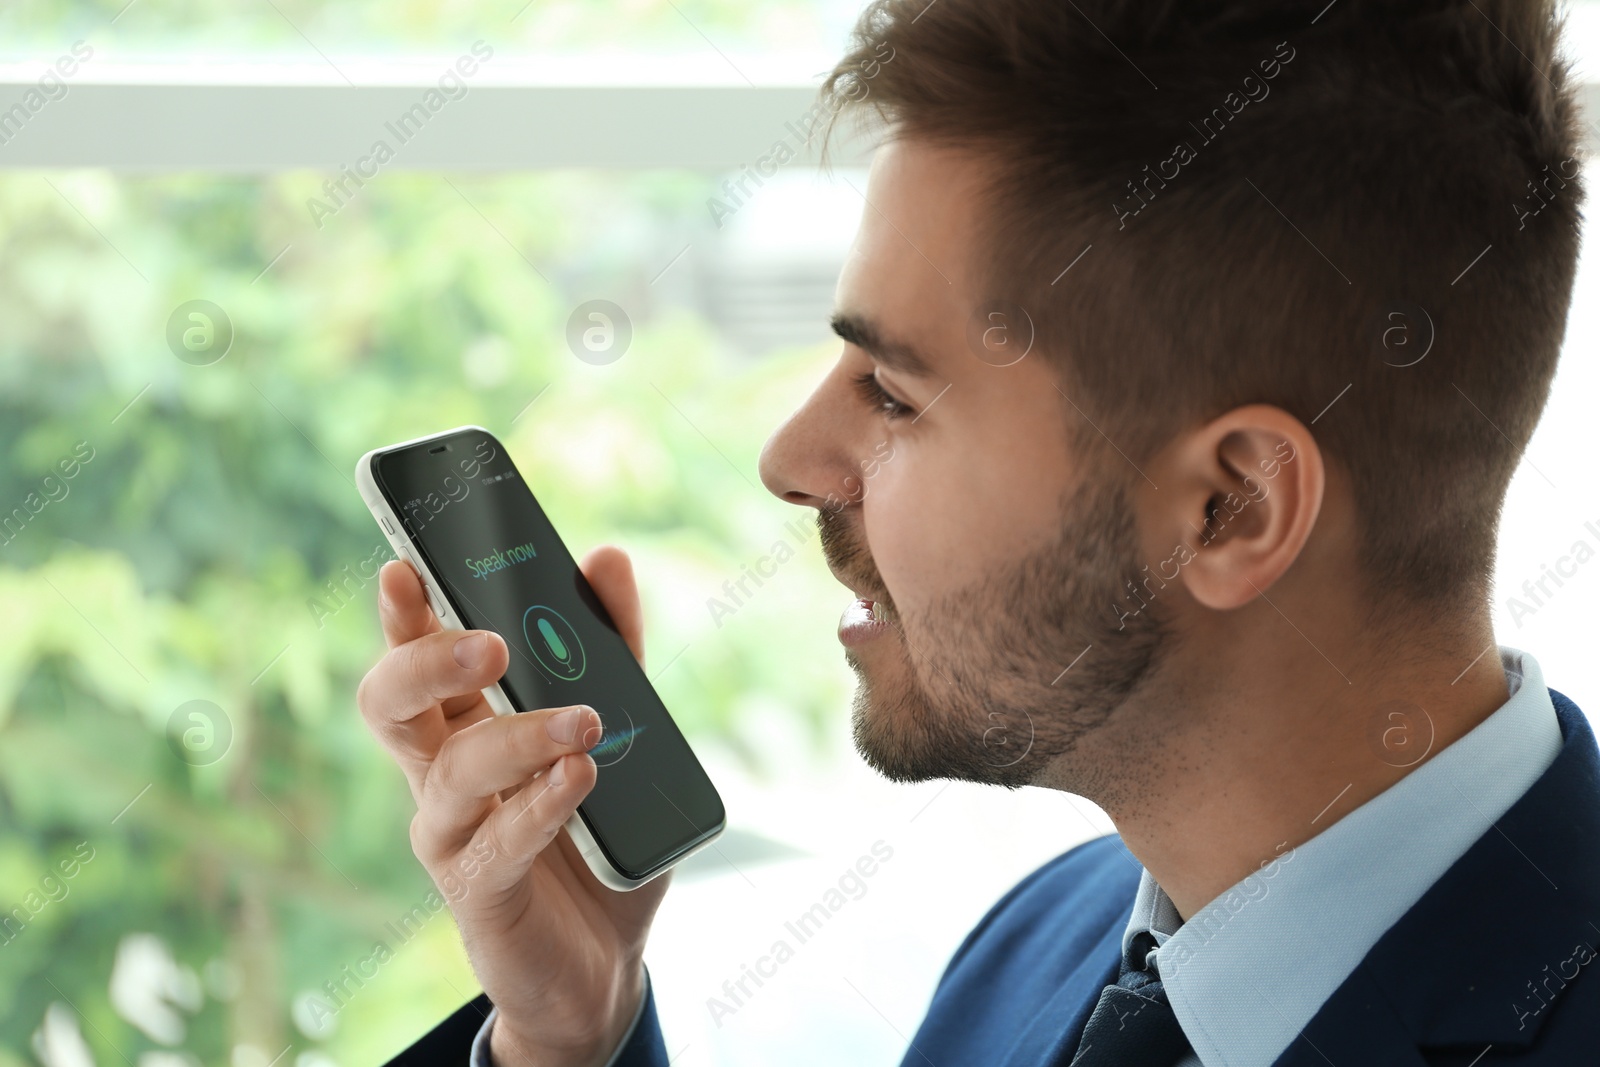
(504, 568)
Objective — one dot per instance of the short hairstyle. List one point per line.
(1274, 201)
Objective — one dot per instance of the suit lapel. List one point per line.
(1053, 1037)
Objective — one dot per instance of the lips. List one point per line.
(862, 621)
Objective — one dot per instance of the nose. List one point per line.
(803, 462)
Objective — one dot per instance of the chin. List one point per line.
(905, 739)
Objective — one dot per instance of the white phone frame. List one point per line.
(404, 548)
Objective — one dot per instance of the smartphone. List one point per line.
(457, 508)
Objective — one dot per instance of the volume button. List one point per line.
(434, 599)
(388, 527)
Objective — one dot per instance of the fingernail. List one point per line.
(558, 772)
(563, 726)
(469, 651)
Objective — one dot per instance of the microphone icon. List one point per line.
(552, 640)
(554, 643)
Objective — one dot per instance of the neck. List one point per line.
(1213, 782)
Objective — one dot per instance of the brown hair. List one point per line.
(1284, 202)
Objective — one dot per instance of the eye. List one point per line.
(875, 395)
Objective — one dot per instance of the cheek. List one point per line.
(894, 522)
(936, 525)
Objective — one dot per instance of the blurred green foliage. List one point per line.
(183, 560)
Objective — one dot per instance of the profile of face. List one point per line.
(998, 547)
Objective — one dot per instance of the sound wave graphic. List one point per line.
(616, 743)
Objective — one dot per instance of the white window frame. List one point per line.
(516, 114)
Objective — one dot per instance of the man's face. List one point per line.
(995, 548)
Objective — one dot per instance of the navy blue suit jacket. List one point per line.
(1490, 966)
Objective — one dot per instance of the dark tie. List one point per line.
(1132, 1025)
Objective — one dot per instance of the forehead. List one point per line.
(909, 267)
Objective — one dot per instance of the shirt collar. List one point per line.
(1154, 911)
(1247, 972)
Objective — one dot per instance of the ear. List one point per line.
(1249, 486)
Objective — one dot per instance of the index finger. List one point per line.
(406, 615)
(402, 696)
(403, 606)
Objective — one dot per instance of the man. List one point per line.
(1189, 349)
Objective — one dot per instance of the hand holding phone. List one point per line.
(558, 952)
(514, 698)
(455, 506)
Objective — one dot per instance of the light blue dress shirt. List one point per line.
(1248, 971)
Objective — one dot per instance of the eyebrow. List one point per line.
(896, 355)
